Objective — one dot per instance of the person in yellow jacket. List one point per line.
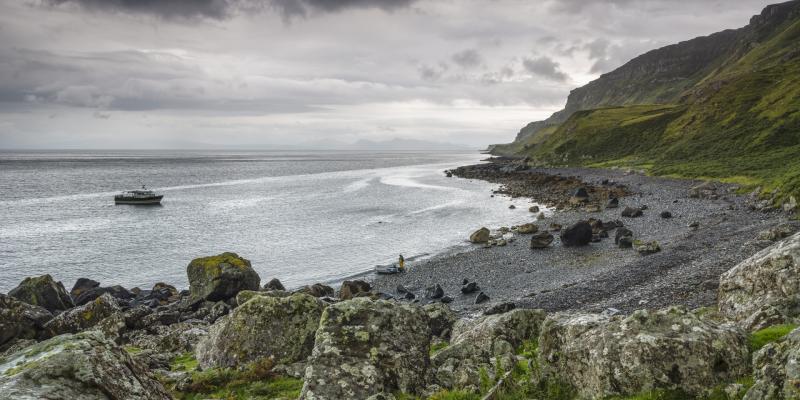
(401, 264)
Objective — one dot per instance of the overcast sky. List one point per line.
(260, 73)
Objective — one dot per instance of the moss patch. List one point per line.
(184, 362)
(435, 347)
(771, 334)
(254, 381)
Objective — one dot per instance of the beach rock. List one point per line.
(533, 209)
(44, 292)
(581, 193)
(694, 225)
(625, 242)
(82, 285)
(540, 216)
(612, 203)
(790, 205)
(274, 284)
(632, 212)
(480, 236)
(116, 291)
(365, 347)
(84, 366)
(20, 320)
(541, 240)
(500, 308)
(527, 229)
(591, 208)
(470, 287)
(579, 234)
(511, 207)
(705, 190)
(440, 319)
(775, 371)
(83, 317)
(776, 233)
(220, 277)
(666, 214)
(604, 356)
(317, 290)
(354, 288)
(764, 289)
(554, 227)
(645, 248)
(446, 299)
(278, 327)
(481, 298)
(401, 289)
(434, 292)
(476, 345)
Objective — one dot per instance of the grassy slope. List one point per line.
(739, 124)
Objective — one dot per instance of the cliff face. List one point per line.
(662, 76)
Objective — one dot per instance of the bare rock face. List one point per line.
(264, 326)
(475, 345)
(365, 347)
(775, 370)
(84, 366)
(672, 349)
(221, 277)
(84, 317)
(43, 291)
(19, 320)
(764, 289)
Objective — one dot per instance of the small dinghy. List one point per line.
(387, 269)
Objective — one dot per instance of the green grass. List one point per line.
(438, 346)
(771, 334)
(454, 395)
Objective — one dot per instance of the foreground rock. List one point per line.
(366, 347)
(19, 320)
(83, 317)
(775, 370)
(220, 277)
(764, 289)
(672, 349)
(44, 292)
(85, 366)
(278, 327)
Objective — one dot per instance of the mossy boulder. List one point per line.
(365, 347)
(84, 366)
(775, 370)
(603, 356)
(43, 291)
(278, 327)
(83, 317)
(221, 277)
(19, 320)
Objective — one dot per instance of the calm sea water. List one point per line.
(302, 217)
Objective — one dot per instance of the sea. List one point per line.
(299, 216)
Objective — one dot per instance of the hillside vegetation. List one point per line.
(735, 117)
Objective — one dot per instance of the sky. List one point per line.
(261, 74)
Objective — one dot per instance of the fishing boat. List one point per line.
(140, 196)
(387, 269)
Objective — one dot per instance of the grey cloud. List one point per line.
(469, 58)
(545, 67)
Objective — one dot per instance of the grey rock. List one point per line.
(274, 284)
(579, 234)
(480, 236)
(631, 212)
(354, 288)
(44, 292)
(83, 317)
(20, 320)
(221, 277)
(541, 240)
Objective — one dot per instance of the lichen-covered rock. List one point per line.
(775, 371)
(672, 349)
(19, 320)
(84, 366)
(83, 317)
(365, 347)
(220, 277)
(43, 291)
(475, 345)
(278, 327)
(245, 295)
(353, 288)
(441, 319)
(764, 289)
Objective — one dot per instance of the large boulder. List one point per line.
(278, 327)
(764, 289)
(579, 234)
(19, 320)
(82, 285)
(775, 371)
(83, 317)
(480, 236)
(365, 347)
(354, 288)
(43, 291)
(220, 277)
(476, 344)
(672, 349)
(84, 366)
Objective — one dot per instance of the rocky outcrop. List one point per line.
(278, 327)
(19, 320)
(764, 289)
(365, 347)
(83, 317)
(672, 349)
(84, 366)
(44, 292)
(775, 371)
(480, 236)
(220, 277)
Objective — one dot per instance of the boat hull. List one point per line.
(146, 201)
